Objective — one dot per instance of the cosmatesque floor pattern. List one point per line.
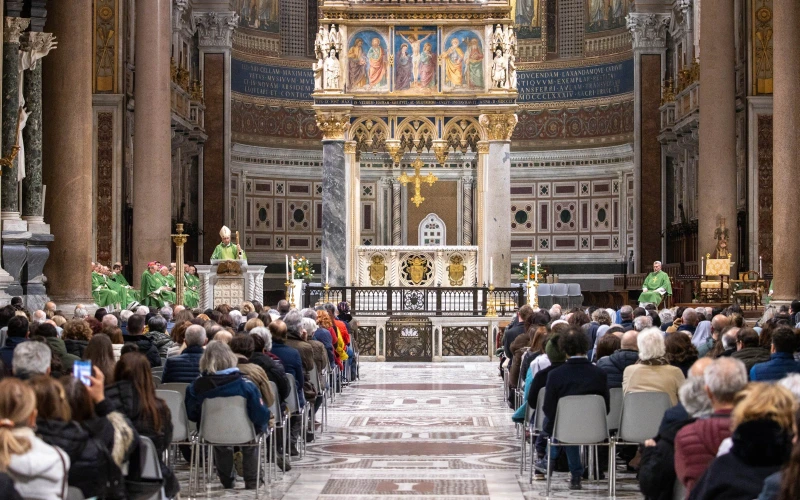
(429, 431)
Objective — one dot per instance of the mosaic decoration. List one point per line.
(272, 125)
(415, 59)
(762, 46)
(465, 341)
(262, 15)
(574, 123)
(365, 340)
(765, 200)
(105, 187)
(367, 62)
(527, 18)
(463, 61)
(605, 15)
(105, 41)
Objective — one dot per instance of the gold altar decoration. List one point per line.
(377, 270)
(229, 268)
(491, 310)
(441, 150)
(455, 271)
(179, 239)
(417, 267)
(499, 126)
(393, 148)
(290, 292)
(333, 125)
(417, 179)
(721, 234)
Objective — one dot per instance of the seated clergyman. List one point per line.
(656, 285)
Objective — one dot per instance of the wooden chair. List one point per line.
(750, 292)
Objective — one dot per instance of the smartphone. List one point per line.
(82, 370)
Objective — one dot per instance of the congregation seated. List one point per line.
(614, 364)
(653, 372)
(781, 362)
(262, 345)
(77, 335)
(185, 367)
(157, 333)
(749, 351)
(143, 343)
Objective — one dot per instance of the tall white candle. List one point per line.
(491, 264)
(528, 276)
(287, 268)
(292, 268)
(536, 267)
(760, 269)
(327, 270)
(702, 261)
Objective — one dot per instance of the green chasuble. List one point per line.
(653, 282)
(190, 291)
(227, 252)
(103, 296)
(119, 284)
(167, 295)
(150, 285)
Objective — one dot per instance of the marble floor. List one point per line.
(435, 431)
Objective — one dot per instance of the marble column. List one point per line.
(649, 33)
(716, 172)
(152, 150)
(494, 185)
(9, 197)
(353, 236)
(67, 150)
(35, 46)
(785, 138)
(466, 211)
(335, 189)
(397, 227)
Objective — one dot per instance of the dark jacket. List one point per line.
(779, 365)
(60, 349)
(184, 367)
(760, 448)
(162, 341)
(685, 364)
(772, 487)
(7, 487)
(7, 352)
(76, 347)
(223, 386)
(657, 466)
(590, 330)
(751, 356)
(539, 381)
(146, 347)
(126, 400)
(696, 445)
(292, 364)
(512, 331)
(689, 329)
(675, 414)
(627, 325)
(614, 365)
(525, 363)
(518, 348)
(576, 377)
(324, 335)
(275, 373)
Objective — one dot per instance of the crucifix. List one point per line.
(417, 179)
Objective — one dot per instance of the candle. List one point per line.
(491, 264)
(702, 260)
(528, 276)
(327, 271)
(536, 268)
(760, 263)
(287, 268)
(292, 267)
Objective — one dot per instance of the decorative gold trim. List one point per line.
(499, 126)
(350, 147)
(333, 125)
(483, 147)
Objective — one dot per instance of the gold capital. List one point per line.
(350, 147)
(499, 126)
(483, 147)
(333, 125)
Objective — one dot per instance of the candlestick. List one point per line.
(287, 268)
(702, 260)
(491, 310)
(292, 268)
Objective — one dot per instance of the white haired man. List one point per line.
(655, 286)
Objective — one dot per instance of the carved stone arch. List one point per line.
(370, 134)
(416, 134)
(463, 133)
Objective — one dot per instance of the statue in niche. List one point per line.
(721, 234)
(499, 66)
(332, 71)
(512, 72)
(318, 68)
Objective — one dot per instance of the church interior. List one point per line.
(442, 171)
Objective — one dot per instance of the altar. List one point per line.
(417, 266)
(229, 282)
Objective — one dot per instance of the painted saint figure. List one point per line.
(357, 65)
(454, 64)
(377, 64)
(474, 64)
(415, 44)
(403, 69)
(427, 67)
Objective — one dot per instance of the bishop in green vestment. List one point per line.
(101, 293)
(167, 292)
(227, 250)
(656, 285)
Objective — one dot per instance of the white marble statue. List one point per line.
(318, 69)
(319, 49)
(499, 68)
(512, 72)
(509, 40)
(332, 71)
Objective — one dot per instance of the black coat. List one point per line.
(76, 347)
(275, 373)
(7, 487)
(657, 467)
(512, 331)
(576, 377)
(185, 367)
(760, 448)
(539, 381)
(614, 365)
(146, 347)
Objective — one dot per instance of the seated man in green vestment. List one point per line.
(656, 285)
(118, 283)
(191, 296)
(151, 284)
(167, 290)
(103, 295)
(227, 250)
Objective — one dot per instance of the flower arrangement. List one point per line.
(521, 270)
(303, 269)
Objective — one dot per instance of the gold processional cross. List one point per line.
(418, 179)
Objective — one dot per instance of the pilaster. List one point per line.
(336, 196)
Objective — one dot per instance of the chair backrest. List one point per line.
(718, 267)
(150, 466)
(641, 416)
(544, 289)
(224, 421)
(538, 419)
(180, 423)
(315, 379)
(573, 289)
(559, 289)
(293, 401)
(581, 420)
(679, 490)
(74, 493)
(175, 386)
(275, 409)
(157, 379)
(615, 402)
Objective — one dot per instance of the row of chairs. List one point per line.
(568, 295)
(583, 421)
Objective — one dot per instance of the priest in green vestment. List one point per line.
(101, 293)
(191, 287)
(118, 283)
(167, 290)
(227, 250)
(150, 288)
(656, 285)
